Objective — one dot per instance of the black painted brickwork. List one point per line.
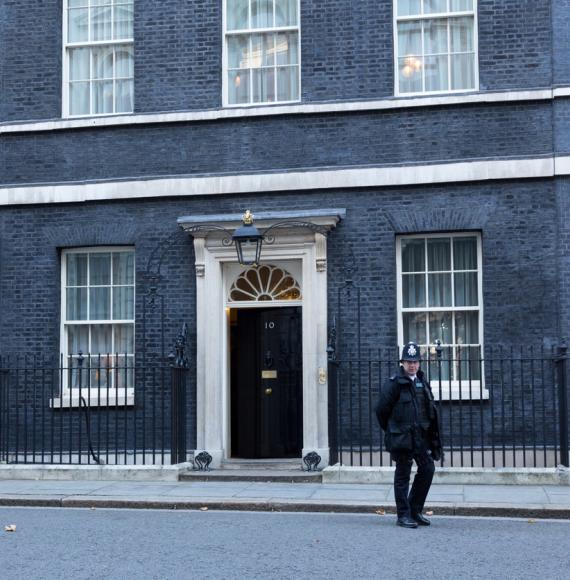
(346, 53)
(289, 142)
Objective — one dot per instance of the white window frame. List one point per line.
(397, 19)
(66, 46)
(469, 388)
(71, 397)
(249, 31)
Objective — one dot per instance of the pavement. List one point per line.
(528, 501)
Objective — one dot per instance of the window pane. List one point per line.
(238, 87)
(285, 12)
(288, 83)
(409, 38)
(435, 36)
(436, 73)
(413, 291)
(439, 289)
(78, 25)
(102, 97)
(125, 372)
(103, 63)
(263, 85)
(123, 268)
(466, 289)
(99, 303)
(439, 254)
(409, 7)
(262, 50)
(124, 62)
(469, 364)
(78, 376)
(261, 13)
(467, 328)
(79, 98)
(413, 256)
(101, 23)
(433, 6)
(237, 14)
(460, 5)
(101, 372)
(76, 300)
(123, 303)
(415, 327)
(410, 74)
(440, 327)
(465, 253)
(462, 71)
(286, 48)
(79, 64)
(461, 34)
(99, 269)
(77, 269)
(124, 96)
(238, 51)
(101, 339)
(435, 366)
(76, 3)
(78, 339)
(123, 21)
(124, 338)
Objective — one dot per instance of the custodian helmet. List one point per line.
(411, 352)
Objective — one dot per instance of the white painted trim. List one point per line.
(561, 92)
(104, 398)
(464, 171)
(218, 263)
(276, 110)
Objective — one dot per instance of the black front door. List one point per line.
(266, 382)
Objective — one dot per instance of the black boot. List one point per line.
(420, 519)
(406, 522)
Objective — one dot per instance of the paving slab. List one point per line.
(498, 500)
(498, 493)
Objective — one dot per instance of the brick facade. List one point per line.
(346, 55)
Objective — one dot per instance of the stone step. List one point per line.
(262, 464)
(259, 475)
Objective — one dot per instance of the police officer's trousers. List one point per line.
(412, 502)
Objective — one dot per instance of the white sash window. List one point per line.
(98, 59)
(262, 52)
(435, 46)
(440, 298)
(98, 321)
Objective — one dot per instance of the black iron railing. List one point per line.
(501, 407)
(94, 409)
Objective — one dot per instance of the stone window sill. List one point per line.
(103, 398)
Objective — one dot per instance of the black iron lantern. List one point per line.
(248, 241)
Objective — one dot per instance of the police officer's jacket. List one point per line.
(408, 414)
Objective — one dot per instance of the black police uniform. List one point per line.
(407, 414)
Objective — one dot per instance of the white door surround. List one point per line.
(294, 248)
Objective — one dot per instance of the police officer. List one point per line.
(407, 413)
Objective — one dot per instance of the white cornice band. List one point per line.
(318, 179)
(296, 109)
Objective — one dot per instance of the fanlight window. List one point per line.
(265, 283)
